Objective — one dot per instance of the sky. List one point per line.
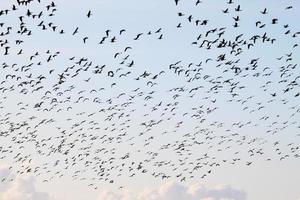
(262, 119)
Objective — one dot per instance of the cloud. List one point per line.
(113, 196)
(5, 174)
(174, 191)
(23, 188)
(20, 188)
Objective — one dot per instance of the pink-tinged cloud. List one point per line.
(12, 188)
(174, 191)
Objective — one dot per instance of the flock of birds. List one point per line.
(100, 122)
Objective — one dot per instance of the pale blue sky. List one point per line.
(275, 179)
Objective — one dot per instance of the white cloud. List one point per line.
(20, 188)
(174, 191)
(113, 196)
(5, 174)
(23, 188)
